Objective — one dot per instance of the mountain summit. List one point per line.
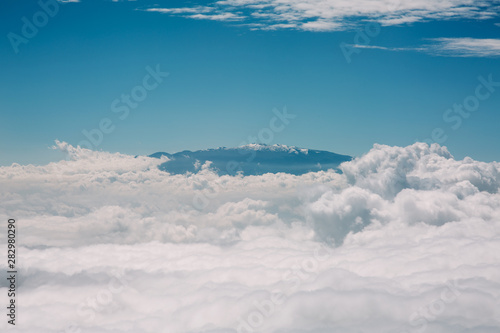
(252, 159)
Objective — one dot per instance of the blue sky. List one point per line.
(231, 63)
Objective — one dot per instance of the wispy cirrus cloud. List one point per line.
(466, 47)
(199, 13)
(182, 10)
(450, 47)
(331, 15)
(217, 17)
(376, 47)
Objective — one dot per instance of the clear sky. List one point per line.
(232, 62)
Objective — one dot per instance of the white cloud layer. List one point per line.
(405, 240)
(328, 15)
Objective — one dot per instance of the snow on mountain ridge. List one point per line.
(275, 147)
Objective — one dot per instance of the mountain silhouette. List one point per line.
(252, 159)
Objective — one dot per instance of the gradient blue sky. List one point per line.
(231, 64)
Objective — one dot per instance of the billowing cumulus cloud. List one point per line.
(403, 240)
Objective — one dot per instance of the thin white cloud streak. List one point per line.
(376, 47)
(404, 220)
(450, 47)
(331, 15)
(217, 17)
(182, 10)
(199, 13)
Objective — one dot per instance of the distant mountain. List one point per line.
(252, 159)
